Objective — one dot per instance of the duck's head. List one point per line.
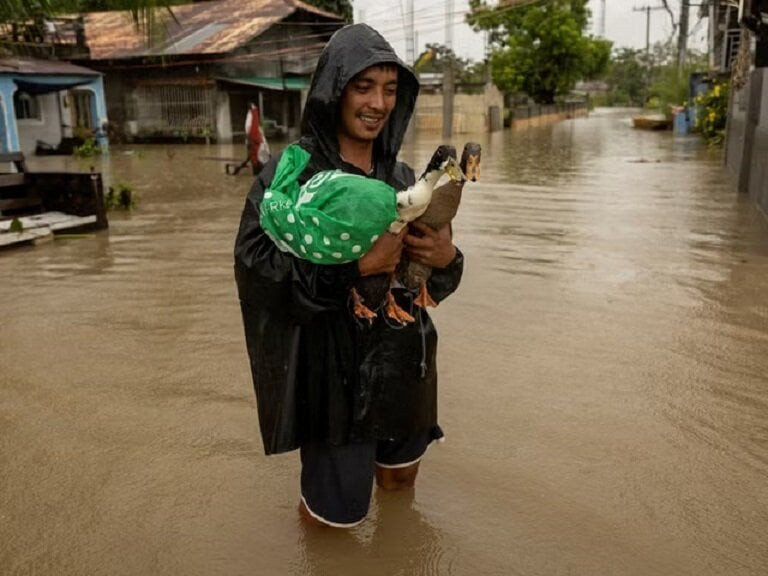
(470, 161)
(444, 161)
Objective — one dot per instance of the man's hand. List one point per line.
(384, 255)
(434, 247)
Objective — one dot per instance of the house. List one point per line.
(214, 59)
(45, 104)
(746, 141)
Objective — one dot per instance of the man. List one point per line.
(359, 400)
(255, 142)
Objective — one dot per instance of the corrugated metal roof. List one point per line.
(215, 27)
(17, 66)
(285, 83)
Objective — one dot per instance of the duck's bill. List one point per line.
(453, 170)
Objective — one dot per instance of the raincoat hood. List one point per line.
(351, 50)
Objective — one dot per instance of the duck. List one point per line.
(411, 203)
(441, 211)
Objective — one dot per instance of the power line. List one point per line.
(427, 20)
(647, 9)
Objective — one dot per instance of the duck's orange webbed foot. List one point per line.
(360, 309)
(424, 299)
(395, 312)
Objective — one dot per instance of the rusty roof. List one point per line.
(214, 27)
(13, 65)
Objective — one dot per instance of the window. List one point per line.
(26, 105)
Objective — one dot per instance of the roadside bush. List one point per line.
(120, 197)
(87, 149)
(712, 112)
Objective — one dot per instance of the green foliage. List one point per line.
(23, 9)
(597, 58)
(712, 109)
(87, 149)
(341, 7)
(626, 77)
(437, 57)
(16, 226)
(120, 197)
(472, 72)
(669, 84)
(651, 79)
(126, 5)
(539, 48)
(148, 15)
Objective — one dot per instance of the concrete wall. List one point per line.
(470, 111)
(746, 147)
(538, 115)
(53, 123)
(758, 181)
(47, 128)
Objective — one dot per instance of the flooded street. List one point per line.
(603, 378)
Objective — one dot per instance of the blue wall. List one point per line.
(9, 134)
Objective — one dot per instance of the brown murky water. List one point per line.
(604, 383)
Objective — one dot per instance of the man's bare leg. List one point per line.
(396, 478)
(307, 518)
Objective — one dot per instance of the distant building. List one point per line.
(724, 34)
(215, 58)
(45, 104)
(739, 47)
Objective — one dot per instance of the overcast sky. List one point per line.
(623, 25)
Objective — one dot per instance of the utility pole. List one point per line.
(601, 26)
(682, 39)
(647, 10)
(449, 24)
(410, 49)
(448, 88)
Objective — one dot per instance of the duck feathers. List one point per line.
(441, 211)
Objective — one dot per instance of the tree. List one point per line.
(142, 11)
(540, 48)
(341, 7)
(129, 5)
(20, 9)
(669, 78)
(626, 78)
(652, 79)
(437, 57)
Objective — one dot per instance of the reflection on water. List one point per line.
(602, 374)
(397, 541)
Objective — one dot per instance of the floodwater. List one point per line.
(604, 379)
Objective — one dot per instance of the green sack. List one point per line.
(333, 218)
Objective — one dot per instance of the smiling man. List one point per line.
(366, 103)
(358, 400)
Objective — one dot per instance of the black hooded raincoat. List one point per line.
(319, 373)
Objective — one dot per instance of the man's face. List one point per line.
(367, 101)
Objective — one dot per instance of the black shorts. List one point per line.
(337, 481)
